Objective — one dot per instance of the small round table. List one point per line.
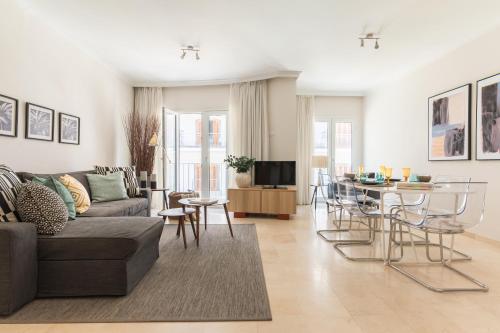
(223, 202)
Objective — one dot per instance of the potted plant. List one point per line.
(242, 165)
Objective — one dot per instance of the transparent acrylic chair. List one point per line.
(450, 209)
(335, 202)
(363, 208)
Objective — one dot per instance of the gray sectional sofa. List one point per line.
(105, 251)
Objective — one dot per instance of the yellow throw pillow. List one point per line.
(78, 192)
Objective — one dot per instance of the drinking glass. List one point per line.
(388, 175)
(406, 174)
(361, 170)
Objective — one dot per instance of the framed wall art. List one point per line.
(449, 125)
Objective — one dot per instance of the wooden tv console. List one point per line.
(258, 200)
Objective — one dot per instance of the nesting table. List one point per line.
(222, 202)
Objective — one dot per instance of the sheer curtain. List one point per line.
(249, 126)
(305, 136)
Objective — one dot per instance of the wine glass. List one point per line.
(388, 175)
(406, 173)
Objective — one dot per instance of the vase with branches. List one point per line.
(139, 128)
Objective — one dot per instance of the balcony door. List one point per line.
(198, 145)
(333, 138)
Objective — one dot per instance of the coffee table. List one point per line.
(221, 202)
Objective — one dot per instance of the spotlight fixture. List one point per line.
(190, 48)
(369, 36)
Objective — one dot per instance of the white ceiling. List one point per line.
(246, 38)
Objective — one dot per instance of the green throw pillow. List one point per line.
(107, 188)
(60, 189)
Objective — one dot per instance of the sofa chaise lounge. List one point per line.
(105, 251)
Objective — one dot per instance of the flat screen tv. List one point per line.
(274, 173)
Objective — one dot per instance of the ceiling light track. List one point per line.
(367, 37)
(190, 49)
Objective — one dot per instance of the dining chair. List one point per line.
(422, 239)
(450, 209)
(362, 207)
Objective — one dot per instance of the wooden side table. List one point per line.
(165, 195)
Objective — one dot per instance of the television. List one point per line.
(274, 173)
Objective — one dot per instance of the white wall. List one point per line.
(344, 109)
(282, 108)
(40, 66)
(396, 120)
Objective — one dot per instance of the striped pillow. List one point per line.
(10, 185)
(129, 179)
(78, 192)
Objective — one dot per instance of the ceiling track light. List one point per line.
(190, 48)
(369, 36)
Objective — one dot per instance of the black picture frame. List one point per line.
(61, 129)
(15, 113)
(479, 131)
(468, 155)
(31, 136)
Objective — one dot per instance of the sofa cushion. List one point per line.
(107, 187)
(129, 207)
(130, 178)
(111, 238)
(9, 187)
(38, 204)
(61, 190)
(78, 192)
(81, 176)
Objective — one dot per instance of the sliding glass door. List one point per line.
(200, 149)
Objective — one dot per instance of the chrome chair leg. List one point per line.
(442, 262)
(339, 247)
(322, 233)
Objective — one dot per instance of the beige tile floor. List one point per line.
(313, 289)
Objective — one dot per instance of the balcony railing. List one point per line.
(190, 178)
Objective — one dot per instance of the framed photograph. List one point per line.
(8, 116)
(488, 118)
(69, 129)
(39, 122)
(449, 125)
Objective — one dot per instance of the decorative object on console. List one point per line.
(38, 204)
(39, 122)
(130, 178)
(488, 118)
(242, 165)
(140, 125)
(8, 116)
(153, 183)
(144, 179)
(449, 125)
(109, 187)
(61, 190)
(78, 192)
(10, 185)
(69, 129)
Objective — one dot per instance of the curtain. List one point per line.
(249, 127)
(305, 135)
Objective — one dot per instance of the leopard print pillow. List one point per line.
(43, 207)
